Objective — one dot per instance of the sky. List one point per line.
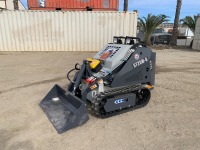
(167, 7)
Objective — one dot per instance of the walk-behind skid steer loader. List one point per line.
(116, 80)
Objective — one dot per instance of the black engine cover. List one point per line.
(140, 68)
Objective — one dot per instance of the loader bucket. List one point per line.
(63, 109)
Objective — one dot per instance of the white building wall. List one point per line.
(10, 5)
(2, 4)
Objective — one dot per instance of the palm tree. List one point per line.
(16, 6)
(150, 23)
(173, 40)
(190, 22)
(125, 5)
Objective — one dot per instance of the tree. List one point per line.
(150, 23)
(16, 5)
(173, 40)
(190, 22)
(125, 5)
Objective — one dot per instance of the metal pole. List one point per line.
(186, 36)
(125, 5)
(23, 4)
(5, 4)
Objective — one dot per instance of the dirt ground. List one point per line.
(170, 121)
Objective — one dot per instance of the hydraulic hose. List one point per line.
(69, 74)
(76, 67)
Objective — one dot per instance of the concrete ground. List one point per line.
(170, 121)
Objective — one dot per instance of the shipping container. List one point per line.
(74, 5)
(63, 30)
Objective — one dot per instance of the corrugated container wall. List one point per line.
(83, 5)
(196, 42)
(63, 31)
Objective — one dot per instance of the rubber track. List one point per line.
(97, 103)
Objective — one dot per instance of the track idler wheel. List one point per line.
(143, 97)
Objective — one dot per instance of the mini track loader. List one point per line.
(116, 80)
